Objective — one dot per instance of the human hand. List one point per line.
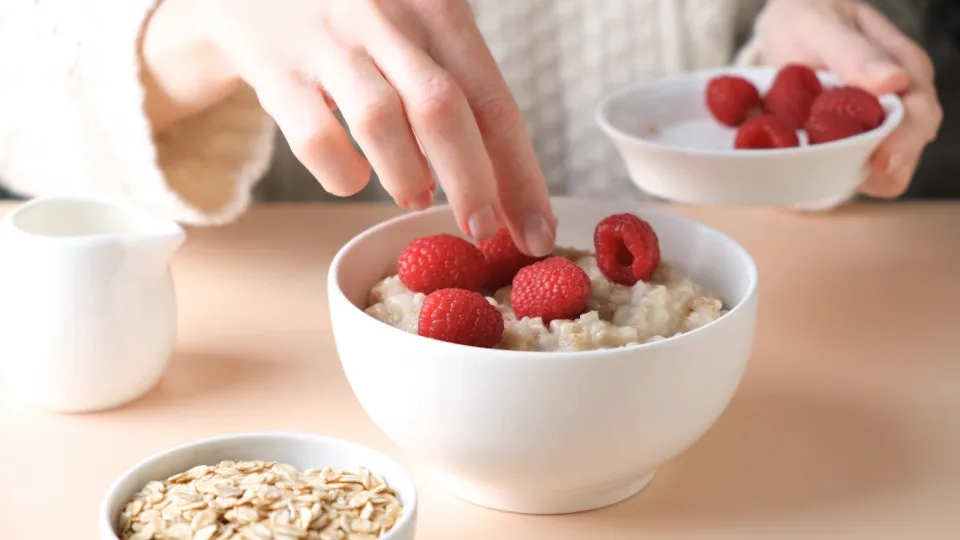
(415, 82)
(863, 48)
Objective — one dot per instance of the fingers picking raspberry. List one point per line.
(627, 248)
(504, 259)
(460, 316)
(551, 289)
(733, 99)
(442, 261)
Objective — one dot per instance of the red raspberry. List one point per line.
(460, 316)
(551, 289)
(627, 247)
(853, 102)
(826, 127)
(767, 131)
(733, 99)
(504, 259)
(441, 261)
(792, 93)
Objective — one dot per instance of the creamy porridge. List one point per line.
(667, 305)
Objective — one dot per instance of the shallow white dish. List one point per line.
(674, 149)
(303, 451)
(537, 432)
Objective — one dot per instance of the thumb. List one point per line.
(858, 61)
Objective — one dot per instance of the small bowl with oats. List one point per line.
(262, 485)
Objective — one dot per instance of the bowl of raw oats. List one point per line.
(262, 485)
(545, 385)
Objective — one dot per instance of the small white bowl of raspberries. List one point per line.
(545, 385)
(786, 136)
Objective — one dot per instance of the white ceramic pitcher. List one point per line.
(87, 304)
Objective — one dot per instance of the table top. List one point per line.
(845, 425)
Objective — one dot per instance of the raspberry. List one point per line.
(460, 316)
(551, 289)
(627, 247)
(827, 126)
(733, 99)
(853, 102)
(792, 93)
(504, 259)
(767, 131)
(441, 261)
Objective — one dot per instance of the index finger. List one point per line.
(456, 44)
(442, 123)
(881, 31)
(844, 49)
(920, 99)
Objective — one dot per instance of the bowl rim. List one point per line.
(601, 116)
(410, 507)
(335, 291)
(159, 226)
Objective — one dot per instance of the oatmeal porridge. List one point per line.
(618, 315)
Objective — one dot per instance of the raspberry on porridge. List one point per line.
(617, 315)
(572, 301)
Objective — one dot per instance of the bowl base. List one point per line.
(545, 503)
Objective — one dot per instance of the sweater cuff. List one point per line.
(200, 171)
(209, 164)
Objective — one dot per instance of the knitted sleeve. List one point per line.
(72, 119)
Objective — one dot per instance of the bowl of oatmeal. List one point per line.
(262, 485)
(561, 416)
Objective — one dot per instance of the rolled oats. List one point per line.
(254, 500)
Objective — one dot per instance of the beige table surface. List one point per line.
(847, 424)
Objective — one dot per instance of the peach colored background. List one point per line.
(847, 424)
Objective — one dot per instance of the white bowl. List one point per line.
(537, 432)
(303, 451)
(675, 150)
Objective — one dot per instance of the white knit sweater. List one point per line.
(72, 122)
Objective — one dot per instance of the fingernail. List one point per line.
(421, 202)
(880, 69)
(539, 236)
(483, 223)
